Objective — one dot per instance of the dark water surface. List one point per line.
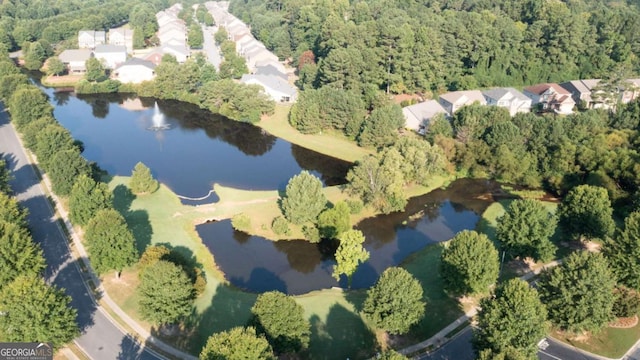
(296, 267)
(198, 150)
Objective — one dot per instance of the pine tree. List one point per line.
(142, 182)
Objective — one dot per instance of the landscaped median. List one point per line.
(160, 218)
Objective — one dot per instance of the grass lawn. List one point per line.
(160, 218)
(341, 147)
(610, 342)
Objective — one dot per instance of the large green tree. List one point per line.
(55, 66)
(87, 198)
(469, 263)
(110, 243)
(27, 104)
(334, 221)
(95, 70)
(586, 212)
(65, 168)
(50, 141)
(33, 311)
(303, 198)
(579, 292)
(239, 343)
(623, 252)
(525, 230)
(166, 293)
(379, 182)
(513, 318)
(19, 255)
(282, 321)
(381, 128)
(142, 182)
(395, 302)
(350, 254)
(11, 211)
(5, 177)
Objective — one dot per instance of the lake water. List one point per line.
(296, 267)
(201, 149)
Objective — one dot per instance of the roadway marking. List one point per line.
(549, 355)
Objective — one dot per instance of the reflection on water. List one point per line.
(201, 148)
(297, 267)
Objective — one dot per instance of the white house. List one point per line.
(111, 55)
(89, 39)
(75, 60)
(418, 116)
(278, 89)
(181, 53)
(135, 71)
(509, 98)
(257, 55)
(552, 97)
(172, 33)
(122, 37)
(452, 101)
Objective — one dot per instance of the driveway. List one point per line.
(100, 338)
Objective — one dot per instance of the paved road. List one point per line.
(459, 348)
(100, 338)
(209, 46)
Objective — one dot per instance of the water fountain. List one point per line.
(157, 120)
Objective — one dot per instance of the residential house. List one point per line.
(155, 56)
(269, 69)
(122, 37)
(174, 34)
(275, 64)
(135, 71)
(163, 18)
(509, 98)
(258, 55)
(418, 116)
(111, 55)
(631, 91)
(452, 101)
(278, 89)
(89, 39)
(181, 53)
(75, 60)
(585, 92)
(552, 97)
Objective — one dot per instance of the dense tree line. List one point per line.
(421, 46)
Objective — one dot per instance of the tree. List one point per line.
(334, 221)
(166, 293)
(66, 166)
(221, 35)
(381, 128)
(11, 211)
(34, 56)
(195, 36)
(87, 198)
(514, 318)
(142, 182)
(19, 255)
(350, 254)
(55, 66)
(50, 141)
(395, 302)
(579, 292)
(378, 182)
(239, 343)
(586, 211)
(111, 244)
(469, 263)
(525, 230)
(29, 298)
(282, 321)
(303, 199)
(95, 70)
(623, 252)
(152, 254)
(391, 355)
(5, 177)
(28, 104)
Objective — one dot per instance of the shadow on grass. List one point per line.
(137, 220)
(343, 335)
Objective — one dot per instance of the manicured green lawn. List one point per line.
(610, 342)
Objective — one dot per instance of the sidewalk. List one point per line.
(142, 335)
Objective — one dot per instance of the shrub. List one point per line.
(241, 222)
(627, 302)
(355, 206)
(311, 233)
(280, 226)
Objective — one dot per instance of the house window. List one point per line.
(285, 99)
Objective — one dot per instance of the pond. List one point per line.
(194, 148)
(297, 266)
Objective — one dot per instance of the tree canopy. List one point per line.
(29, 298)
(238, 343)
(350, 254)
(166, 293)
(19, 255)
(282, 321)
(87, 198)
(623, 252)
(469, 263)
(111, 244)
(586, 211)
(579, 292)
(514, 318)
(142, 182)
(395, 302)
(525, 230)
(303, 199)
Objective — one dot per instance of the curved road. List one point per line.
(100, 338)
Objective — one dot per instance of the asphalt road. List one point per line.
(459, 348)
(100, 338)
(210, 48)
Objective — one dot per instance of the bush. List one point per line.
(153, 254)
(200, 282)
(280, 226)
(627, 302)
(355, 206)
(311, 233)
(241, 222)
